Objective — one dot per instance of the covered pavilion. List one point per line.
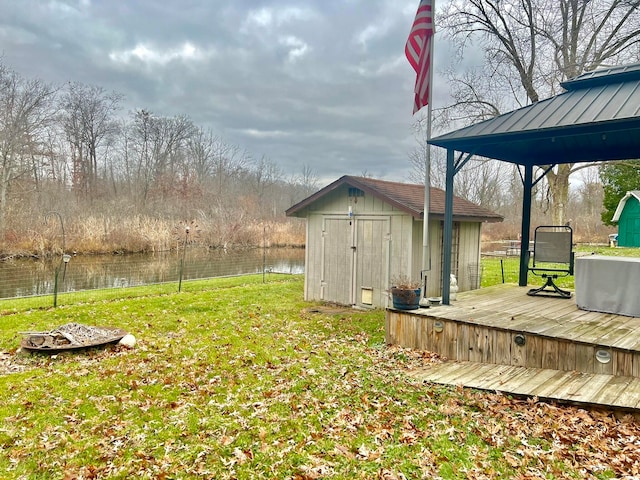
(596, 119)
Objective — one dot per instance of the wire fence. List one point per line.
(67, 280)
(495, 269)
(53, 283)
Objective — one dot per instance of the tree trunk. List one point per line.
(4, 185)
(559, 192)
(530, 47)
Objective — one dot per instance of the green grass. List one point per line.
(503, 269)
(15, 305)
(237, 379)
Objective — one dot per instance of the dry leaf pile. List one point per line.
(537, 435)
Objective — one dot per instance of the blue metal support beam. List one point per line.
(527, 182)
(448, 228)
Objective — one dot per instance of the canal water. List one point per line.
(24, 278)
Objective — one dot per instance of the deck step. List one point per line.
(593, 389)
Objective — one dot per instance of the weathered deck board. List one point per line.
(518, 378)
(448, 370)
(583, 388)
(612, 390)
(546, 389)
(574, 386)
(615, 330)
(464, 375)
(557, 359)
(553, 317)
(539, 376)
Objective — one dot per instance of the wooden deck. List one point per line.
(499, 338)
(609, 391)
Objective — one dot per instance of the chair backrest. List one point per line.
(553, 244)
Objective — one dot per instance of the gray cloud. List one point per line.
(322, 82)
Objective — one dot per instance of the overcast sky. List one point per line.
(322, 83)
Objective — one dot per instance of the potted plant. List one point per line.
(405, 293)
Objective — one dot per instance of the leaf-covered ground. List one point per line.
(247, 381)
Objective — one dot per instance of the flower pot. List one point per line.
(405, 298)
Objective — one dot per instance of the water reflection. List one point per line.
(22, 278)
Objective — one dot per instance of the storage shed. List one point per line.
(627, 215)
(363, 233)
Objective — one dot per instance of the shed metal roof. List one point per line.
(406, 197)
(597, 118)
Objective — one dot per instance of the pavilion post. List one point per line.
(526, 225)
(448, 228)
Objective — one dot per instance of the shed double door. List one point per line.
(631, 232)
(355, 260)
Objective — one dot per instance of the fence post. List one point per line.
(184, 252)
(55, 287)
(264, 253)
(65, 258)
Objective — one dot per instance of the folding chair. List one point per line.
(552, 258)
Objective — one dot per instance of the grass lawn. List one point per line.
(505, 269)
(235, 379)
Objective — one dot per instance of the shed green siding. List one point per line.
(629, 224)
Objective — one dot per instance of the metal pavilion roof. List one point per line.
(597, 118)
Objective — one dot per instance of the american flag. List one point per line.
(418, 52)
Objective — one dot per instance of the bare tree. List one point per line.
(158, 145)
(483, 181)
(264, 176)
(170, 137)
(87, 119)
(139, 144)
(228, 162)
(26, 110)
(303, 184)
(202, 146)
(590, 192)
(418, 159)
(121, 166)
(308, 180)
(529, 47)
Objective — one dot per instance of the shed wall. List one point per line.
(340, 248)
(465, 254)
(469, 256)
(629, 224)
(434, 273)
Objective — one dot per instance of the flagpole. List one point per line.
(426, 250)
(419, 52)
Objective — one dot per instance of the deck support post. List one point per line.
(448, 228)
(526, 224)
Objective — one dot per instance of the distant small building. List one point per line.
(627, 215)
(362, 233)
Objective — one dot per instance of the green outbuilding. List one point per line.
(628, 217)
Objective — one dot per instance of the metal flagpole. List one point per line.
(419, 52)
(426, 250)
